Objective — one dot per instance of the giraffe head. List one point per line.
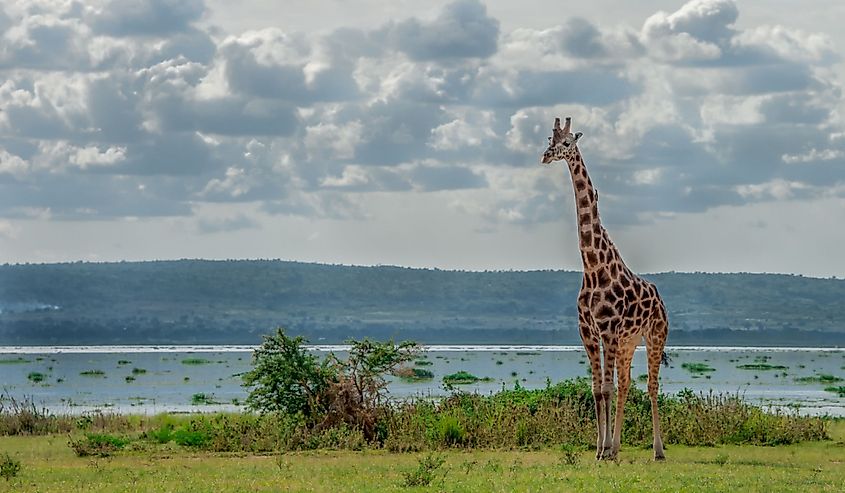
(562, 143)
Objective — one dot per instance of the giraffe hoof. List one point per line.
(659, 458)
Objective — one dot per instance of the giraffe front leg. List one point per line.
(594, 355)
(607, 391)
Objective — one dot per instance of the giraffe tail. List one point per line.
(664, 358)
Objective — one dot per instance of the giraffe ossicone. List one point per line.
(616, 308)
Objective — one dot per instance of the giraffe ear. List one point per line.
(577, 136)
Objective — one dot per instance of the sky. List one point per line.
(409, 133)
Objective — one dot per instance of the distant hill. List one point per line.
(199, 301)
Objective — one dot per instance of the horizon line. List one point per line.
(365, 265)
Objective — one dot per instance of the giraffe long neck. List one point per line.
(591, 235)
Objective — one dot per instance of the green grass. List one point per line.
(48, 465)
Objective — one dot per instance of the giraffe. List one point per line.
(616, 308)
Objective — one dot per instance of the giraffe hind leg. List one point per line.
(654, 348)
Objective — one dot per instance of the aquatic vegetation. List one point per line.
(464, 378)
(423, 362)
(840, 390)
(821, 378)
(201, 398)
(123, 362)
(93, 373)
(139, 371)
(761, 366)
(196, 361)
(414, 374)
(129, 378)
(35, 377)
(697, 367)
(14, 361)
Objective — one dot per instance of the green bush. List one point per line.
(98, 444)
(352, 392)
(9, 467)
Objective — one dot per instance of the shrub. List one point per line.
(22, 417)
(424, 474)
(9, 467)
(287, 379)
(97, 444)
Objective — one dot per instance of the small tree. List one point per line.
(286, 378)
(357, 394)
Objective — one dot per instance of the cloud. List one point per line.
(435, 178)
(8, 230)
(143, 109)
(813, 155)
(462, 30)
(210, 225)
(145, 17)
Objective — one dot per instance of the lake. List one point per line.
(153, 379)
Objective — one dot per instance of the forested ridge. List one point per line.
(201, 301)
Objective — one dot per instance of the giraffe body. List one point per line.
(616, 308)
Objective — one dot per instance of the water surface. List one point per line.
(166, 377)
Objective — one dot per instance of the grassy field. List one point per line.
(49, 465)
